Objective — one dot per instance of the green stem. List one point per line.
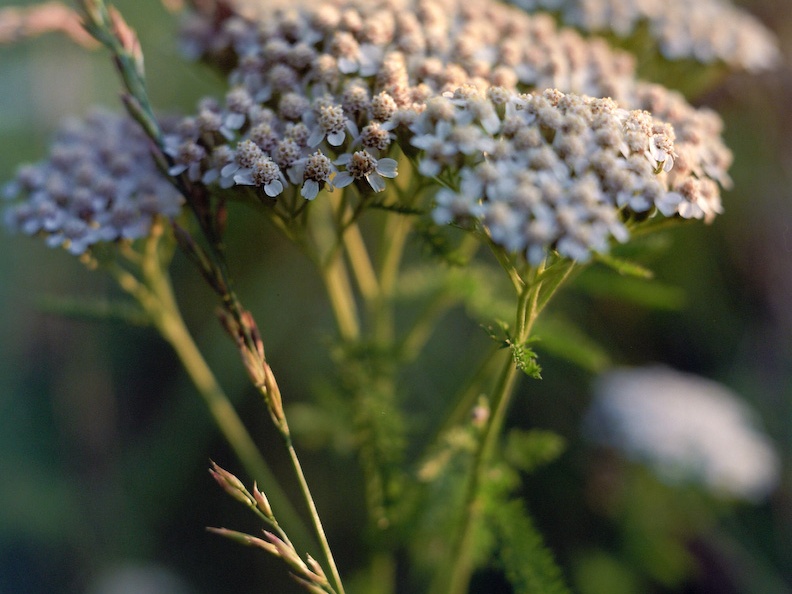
(342, 300)
(360, 263)
(317, 522)
(456, 576)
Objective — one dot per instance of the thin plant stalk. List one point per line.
(155, 295)
(317, 522)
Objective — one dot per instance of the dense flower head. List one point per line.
(705, 30)
(99, 184)
(460, 86)
(547, 171)
(685, 427)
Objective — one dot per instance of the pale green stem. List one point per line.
(342, 299)
(361, 263)
(317, 522)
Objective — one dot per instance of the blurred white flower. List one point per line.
(686, 428)
(138, 579)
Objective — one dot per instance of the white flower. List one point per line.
(686, 428)
(315, 172)
(329, 121)
(264, 173)
(362, 165)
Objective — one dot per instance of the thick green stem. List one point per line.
(360, 263)
(455, 577)
(342, 300)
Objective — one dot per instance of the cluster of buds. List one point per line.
(706, 30)
(550, 171)
(321, 96)
(99, 184)
(308, 573)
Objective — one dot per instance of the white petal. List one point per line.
(316, 137)
(387, 167)
(376, 182)
(343, 179)
(273, 188)
(310, 189)
(336, 138)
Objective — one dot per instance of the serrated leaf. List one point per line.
(94, 309)
(566, 341)
(526, 361)
(528, 564)
(624, 267)
(528, 450)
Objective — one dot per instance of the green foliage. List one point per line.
(624, 267)
(600, 573)
(442, 476)
(524, 357)
(478, 287)
(94, 309)
(522, 554)
(528, 450)
(507, 533)
(366, 386)
(559, 337)
(652, 295)
(526, 360)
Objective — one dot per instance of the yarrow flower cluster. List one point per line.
(557, 171)
(686, 428)
(706, 30)
(320, 95)
(99, 184)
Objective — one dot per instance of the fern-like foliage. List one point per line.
(525, 560)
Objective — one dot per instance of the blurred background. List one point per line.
(104, 444)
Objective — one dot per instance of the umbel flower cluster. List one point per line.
(705, 30)
(686, 428)
(99, 184)
(319, 96)
(494, 104)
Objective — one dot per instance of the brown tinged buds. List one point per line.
(251, 348)
(253, 332)
(128, 40)
(262, 503)
(273, 397)
(311, 578)
(317, 569)
(246, 336)
(245, 539)
(311, 587)
(287, 553)
(232, 485)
